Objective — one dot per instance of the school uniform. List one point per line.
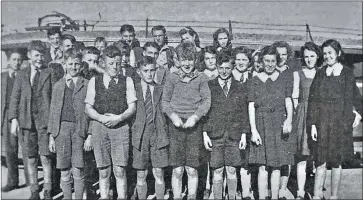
(11, 141)
(149, 131)
(110, 95)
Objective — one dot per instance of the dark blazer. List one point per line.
(159, 118)
(227, 114)
(79, 94)
(20, 105)
(4, 82)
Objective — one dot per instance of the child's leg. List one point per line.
(159, 183)
(78, 177)
(176, 181)
(231, 182)
(104, 181)
(121, 183)
(319, 180)
(47, 171)
(262, 182)
(285, 174)
(275, 183)
(301, 178)
(33, 174)
(218, 183)
(66, 182)
(192, 182)
(245, 182)
(141, 185)
(335, 181)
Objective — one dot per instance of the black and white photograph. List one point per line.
(230, 100)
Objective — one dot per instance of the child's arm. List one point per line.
(287, 127)
(295, 92)
(166, 98)
(14, 105)
(256, 138)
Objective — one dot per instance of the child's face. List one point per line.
(147, 72)
(242, 62)
(330, 55)
(100, 46)
(159, 37)
(125, 60)
(269, 63)
(73, 66)
(187, 66)
(54, 40)
(222, 39)
(310, 58)
(283, 55)
(36, 58)
(112, 65)
(210, 61)
(91, 59)
(152, 52)
(15, 61)
(66, 44)
(187, 37)
(225, 70)
(127, 37)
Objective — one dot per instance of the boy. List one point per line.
(54, 52)
(90, 63)
(68, 125)
(100, 43)
(149, 136)
(15, 60)
(166, 52)
(29, 111)
(110, 102)
(127, 33)
(226, 128)
(186, 99)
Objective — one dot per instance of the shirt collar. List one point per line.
(107, 77)
(211, 74)
(237, 75)
(336, 69)
(69, 77)
(263, 76)
(186, 78)
(222, 82)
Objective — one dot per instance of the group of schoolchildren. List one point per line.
(213, 112)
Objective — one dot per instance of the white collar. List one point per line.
(336, 69)
(237, 75)
(263, 76)
(211, 74)
(222, 82)
(68, 77)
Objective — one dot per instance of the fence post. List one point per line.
(147, 27)
(230, 29)
(308, 33)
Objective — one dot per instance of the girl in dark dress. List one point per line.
(334, 108)
(311, 60)
(270, 112)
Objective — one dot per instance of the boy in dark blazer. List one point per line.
(29, 112)
(227, 124)
(149, 135)
(68, 125)
(11, 141)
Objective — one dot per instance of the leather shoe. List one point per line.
(8, 188)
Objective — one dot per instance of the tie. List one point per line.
(36, 79)
(242, 78)
(112, 83)
(148, 105)
(71, 84)
(225, 88)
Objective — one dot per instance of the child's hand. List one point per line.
(287, 127)
(314, 133)
(88, 143)
(176, 120)
(113, 120)
(14, 127)
(243, 142)
(192, 120)
(207, 142)
(256, 138)
(51, 144)
(104, 119)
(357, 119)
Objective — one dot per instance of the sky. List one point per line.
(346, 15)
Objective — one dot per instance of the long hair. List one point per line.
(311, 46)
(215, 38)
(336, 46)
(191, 32)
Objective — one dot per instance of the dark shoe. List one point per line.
(47, 195)
(8, 188)
(246, 198)
(282, 198)
(34, 196)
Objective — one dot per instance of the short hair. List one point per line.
(151, 44)
(207, 49)
(146, 60)
(123, 47)
(336, 46)
(269, 50)
(191, 32)
(54, 31)
(186, 51)
(283, 44)
(91, 50)
(111, 52)
(37, 45)
(224, 57)
(72, 53)
(79, 46)
(215, 37)
(68, 37)
(160, 28)
(13, 51)
(311, 46)
(100, 39)
(127, 27)
(244, 50)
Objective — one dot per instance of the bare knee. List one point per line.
(218, 174)
(46, 161)
(231, 172)
(78, 173)
(119, 172)
(141, 177)
(66, 175)
(193, 173)
(105, 173)
(32, 161)
(158, 173)
(178, 172)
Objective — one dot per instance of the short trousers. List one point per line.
(69, 147)
(36, 142)
(110, 146)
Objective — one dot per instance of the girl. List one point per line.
(209, 65)
(222, 40)
(243, 62)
